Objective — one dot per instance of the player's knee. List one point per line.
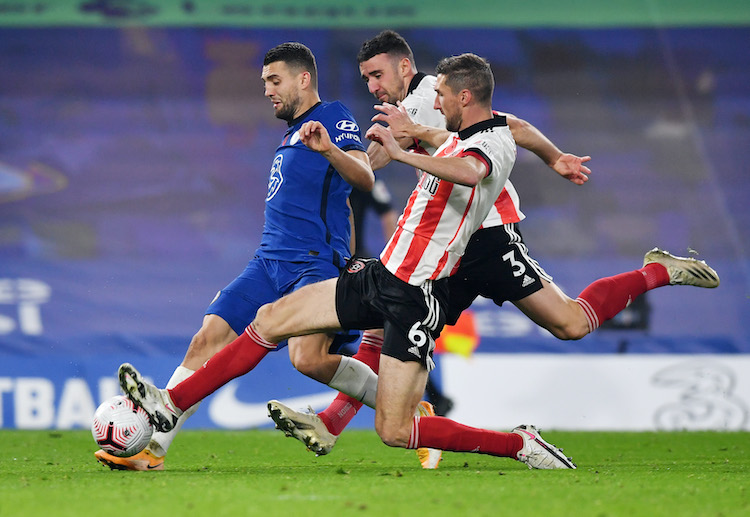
(202, 347)
(569, 332)
(264, 322)
(392, 435)
(305, 363)
(313, 362)
(199, 342)
(204, 344)
(263, 315)
(570, 324)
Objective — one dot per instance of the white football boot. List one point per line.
(683, 271)
(306, 427)
(537, 453)
(161, 411)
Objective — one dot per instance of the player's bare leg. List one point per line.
(309, 310)
(214, 334)
(606, 297)
(400, 388)
(552, 309)
(312, 310)
(320, 432)
(401, 385)
(310, 356)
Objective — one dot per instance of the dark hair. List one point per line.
(471, 72)
(297, 57)
(387, 42)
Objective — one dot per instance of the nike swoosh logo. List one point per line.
(150, 467)
(227, 411)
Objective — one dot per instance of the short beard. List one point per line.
(453, 125)
(389, 99)
(392, 99)
(287, 112)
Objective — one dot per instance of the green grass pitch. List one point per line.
(260, 472)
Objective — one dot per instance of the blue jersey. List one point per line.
(306, 212)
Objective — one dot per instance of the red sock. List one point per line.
(343, 408)
(437, 432)
(339, 413)
(236, 359)
(603, 299)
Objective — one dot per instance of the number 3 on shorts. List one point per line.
(518, 267)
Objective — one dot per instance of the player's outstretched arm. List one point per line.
(354, 166)
(569, 166)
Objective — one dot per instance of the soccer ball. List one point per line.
(121, 428)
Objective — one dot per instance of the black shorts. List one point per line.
(368, 296)
(495, 265)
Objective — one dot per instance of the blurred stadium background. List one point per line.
(135, 144)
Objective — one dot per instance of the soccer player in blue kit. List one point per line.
(306, 235)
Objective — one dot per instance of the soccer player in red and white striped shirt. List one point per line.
(404, 293)
(496, 263)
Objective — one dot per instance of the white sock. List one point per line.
(356, 379)
(160, 442)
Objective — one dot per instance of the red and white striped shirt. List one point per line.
(441, 216)
(419, 104)
(505, 209)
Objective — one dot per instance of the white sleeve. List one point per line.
(419, 104)
(430, 117)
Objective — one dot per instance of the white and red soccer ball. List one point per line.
(121, 428)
